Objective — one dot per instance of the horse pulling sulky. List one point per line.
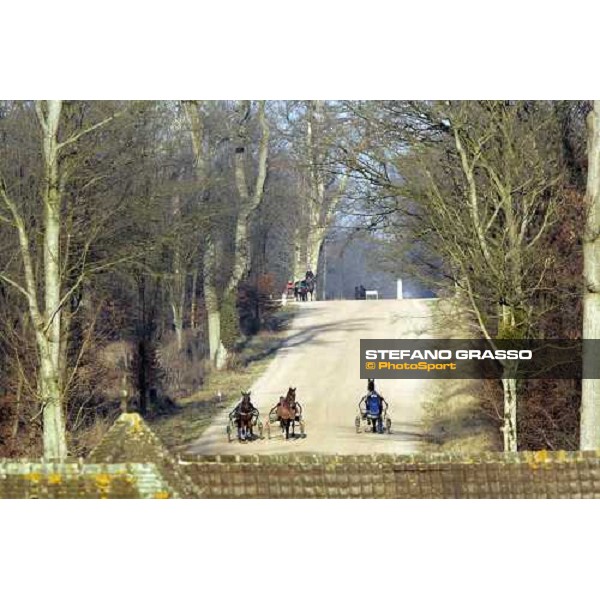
(376, 423)
(287, 412)
(244, 417)
(373, 411)
(303, 288)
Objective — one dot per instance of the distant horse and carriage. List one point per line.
(302, 289)
(245, 417)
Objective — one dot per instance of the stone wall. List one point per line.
(489, 475)
(78, 480)
(131, 441)
(131, 462)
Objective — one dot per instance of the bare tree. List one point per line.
(249, 200)
(471, 189)
(46, 312)
(326, 186)
(590, 388)
(196, 114)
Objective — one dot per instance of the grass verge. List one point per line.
(188, 417)
(454, 420)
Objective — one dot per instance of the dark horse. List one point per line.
(310, 278)
(300, 291)
(244, 414)
(288, 410)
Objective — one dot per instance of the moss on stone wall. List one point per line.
(132, 463)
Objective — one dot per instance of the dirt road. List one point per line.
(321, 358)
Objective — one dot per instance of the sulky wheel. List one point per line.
(260, 430)
(357, 424)
(388, 425)
(268, 428)
(229, 432)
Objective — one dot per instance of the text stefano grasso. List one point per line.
(478, 358)
(497, 354)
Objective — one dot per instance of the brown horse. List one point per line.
(244, 415)
(287, 412)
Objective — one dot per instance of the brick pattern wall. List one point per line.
(292, 477)
(78, 480)
(131, 462)
(520, 475)
(131, 441)
(489, 475)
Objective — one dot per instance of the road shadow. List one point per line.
(399, 435)
(303, 336)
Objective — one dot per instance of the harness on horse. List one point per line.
(286, 406)
(241, 411)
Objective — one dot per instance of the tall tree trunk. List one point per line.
(177, 310)
(55, 444)
(177, 292)
(320, 204)
(51, 343)
(590, 388)
(316, 200)
(194, 302)
(178, 279)
(314, 242)
(300, 252)
(509, 426)
(217, 352)
(249, 202)
(509, 387)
